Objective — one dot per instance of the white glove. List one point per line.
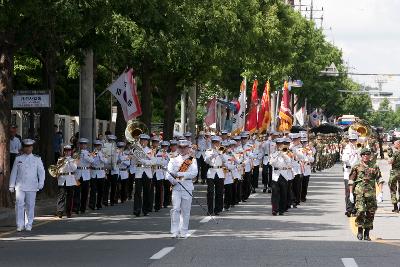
(12, 189)
(379, 198)
(351, 198)
(40, 187)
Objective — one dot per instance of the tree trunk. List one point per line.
(146, 95)
(170, 100)
(47, 120)
(120, 124)
(6, 71)
(192, 110)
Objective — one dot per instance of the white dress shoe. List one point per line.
(19, 229)
(174, 236)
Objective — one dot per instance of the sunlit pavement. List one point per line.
(317, 233)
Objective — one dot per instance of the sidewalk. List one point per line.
(44, 206)
(386, 225)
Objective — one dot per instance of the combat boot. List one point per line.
(360, 233)
(366, 235)
(395, 208)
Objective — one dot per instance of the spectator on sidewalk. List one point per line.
(15, 145)
(57, 143)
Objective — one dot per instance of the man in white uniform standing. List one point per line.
(181, 172)
(27, 177)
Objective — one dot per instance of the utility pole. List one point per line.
(309, 11)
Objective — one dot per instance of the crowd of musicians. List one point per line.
(229, 165)
(164, 174)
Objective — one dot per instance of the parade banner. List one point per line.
(264, 114)
(251, 123)
(285, 115)
(300, 116)
(239, 118)
(125, 91)
(211, 116)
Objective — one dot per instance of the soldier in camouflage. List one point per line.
(362, 182)
(394, 179)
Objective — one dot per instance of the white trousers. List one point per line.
(24, 208)
(180, 212)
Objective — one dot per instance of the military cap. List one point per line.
(164, 143)
(216, 138)
(232, 142)
(365, 151)
(67, 147)
(237, 138)
(83, 140)
(97, 143)
(187, 134)
(121, 144)
(144, 136)
(111, 137)
(155, 138)
(28, 142)
(173, 142)
(353, 137)
(224, 132)
(184, 143)
(280, 140)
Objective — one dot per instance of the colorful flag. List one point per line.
(315, 118)
(238, 120)
(285, 115)
(125, 91)
(251, 123)
(264, 114)
(211, 117)
(300, 116)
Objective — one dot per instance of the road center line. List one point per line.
(205, 219)
(349, 262)
(161, 253)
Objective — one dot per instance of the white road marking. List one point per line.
(191, 232)
(349, 262)
(161, 253)
(205, 219)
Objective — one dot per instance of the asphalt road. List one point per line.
(315, 234)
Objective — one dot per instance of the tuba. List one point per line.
(361, 127)
(54, 170)
(133, 129)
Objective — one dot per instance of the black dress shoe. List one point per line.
(136, 214)
(91, 207)
(280, 213)
(83, 212)
(274, 213)
(366, 235)
(264, 190)
(196, 182)
(216, 213)
(269, 190)
(348, 214)
(145, 214)
(69, 215)
(395, 208)
(360, 233)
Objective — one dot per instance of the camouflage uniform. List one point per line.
(394, 177)
(364, 179)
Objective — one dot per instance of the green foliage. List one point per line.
(212, 43)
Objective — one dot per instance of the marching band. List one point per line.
(229, 165)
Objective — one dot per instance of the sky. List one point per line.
(368, 32)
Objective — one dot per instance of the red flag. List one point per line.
(264, 114)
(285, 115)
(211, 112)
(251, 123)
